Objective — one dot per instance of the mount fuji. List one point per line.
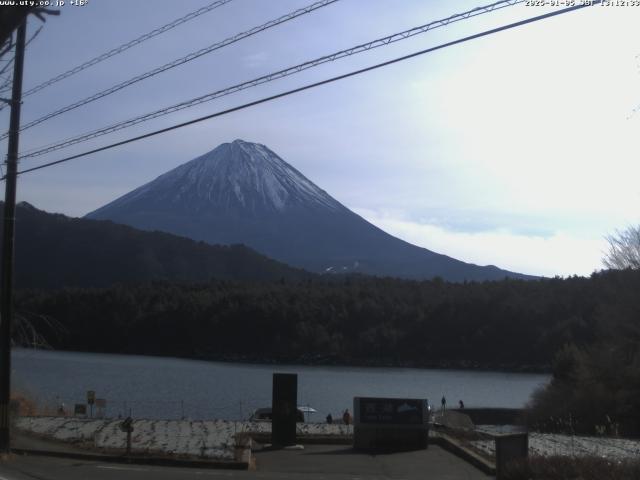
(243, 192)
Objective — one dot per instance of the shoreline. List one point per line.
(315, 361)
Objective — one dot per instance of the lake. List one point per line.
(157, 387)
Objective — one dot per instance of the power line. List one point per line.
(380, 42)
(6, 45)
(126, 46)
(317, 84)
(180, 61)
(4, 69)
(7, 85)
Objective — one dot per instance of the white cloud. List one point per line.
(526, 123)
(561, 254)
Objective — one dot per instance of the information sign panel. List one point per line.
(391, 411)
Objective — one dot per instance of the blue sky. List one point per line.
(519, 149)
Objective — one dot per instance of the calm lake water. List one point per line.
(154, 387)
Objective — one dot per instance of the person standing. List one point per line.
(444, 403)
(346, 417)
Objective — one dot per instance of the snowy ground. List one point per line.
(547, 444)
(208, 439)
(217, 438)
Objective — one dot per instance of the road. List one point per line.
(315, 462)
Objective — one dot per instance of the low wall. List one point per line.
(494, 416)
(450, 444)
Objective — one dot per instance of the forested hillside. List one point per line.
(511, 324)
(54, 251)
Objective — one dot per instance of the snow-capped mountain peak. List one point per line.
(243, 192)
(236, 175)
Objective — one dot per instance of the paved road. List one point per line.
(315, 462)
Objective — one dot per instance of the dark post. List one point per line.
(6, 296)
(129, 442)
(284, 409)
(91, 399)
(127, 427)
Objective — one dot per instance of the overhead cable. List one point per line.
(317, 84)
(6, 86)
(180, 61)
(380, 42)
(126, 46)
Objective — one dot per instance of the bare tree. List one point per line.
(624, 249)
(28, 327)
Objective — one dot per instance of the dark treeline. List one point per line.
(595, 390)
(511, 324)
(595, 387)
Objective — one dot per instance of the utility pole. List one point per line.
(6, 295)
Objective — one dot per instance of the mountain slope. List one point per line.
(55, 251)
(243, 192)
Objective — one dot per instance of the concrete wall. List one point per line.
(494, 416)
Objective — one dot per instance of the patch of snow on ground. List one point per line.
(547, 444)
(208, 439)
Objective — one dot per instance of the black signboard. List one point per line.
(283, 407)
(391, 411)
